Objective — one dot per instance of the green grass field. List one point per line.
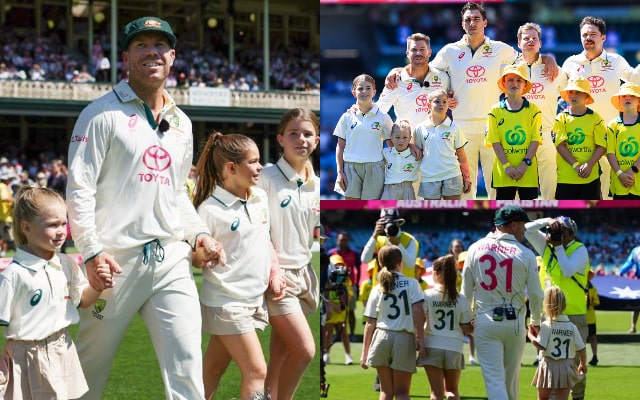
(135, 373)
(610, 379)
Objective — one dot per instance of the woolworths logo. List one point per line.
(516, 137)
(628, 147)
(575, 137)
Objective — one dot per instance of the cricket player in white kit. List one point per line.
(544, 93)
(130, 156)
(497, 272)
(604, 71)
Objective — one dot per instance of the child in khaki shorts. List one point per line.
(39, 360)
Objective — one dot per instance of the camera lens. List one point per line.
(391, 229)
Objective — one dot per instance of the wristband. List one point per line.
(575, 164)
(619, 172)
(506, 165)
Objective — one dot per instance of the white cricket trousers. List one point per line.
(499, 347)
(474, 130)
(165, 295)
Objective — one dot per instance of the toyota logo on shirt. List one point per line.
(156, 159)
(596, 83)
(476, 74)
(422, 100)
(536, 91)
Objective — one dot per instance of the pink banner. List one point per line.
(473, 204)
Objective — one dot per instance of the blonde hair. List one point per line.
(529, 26)
(416, 37)
(363, 78)
(435, 93)
(401, 125)
(554, 302)
(218, 150)
(29, 203)
(389, 258)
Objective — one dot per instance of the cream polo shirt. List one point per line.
(39, 297)
(242, 227)
(409, 99)
(401, 166)
(443, 320)
(294, 209)
(498, 271)
(126, 182)
(440, 144)
(474, 76)
(604, 74)
(393, 311)
(364, 134)
(545, 93)
(560, 338)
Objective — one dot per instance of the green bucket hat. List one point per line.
(147, 24)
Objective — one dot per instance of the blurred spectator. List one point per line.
(58, 178)
(82, 76)
(4, 72)
(37, 73)
(41, 180)
(103, 66)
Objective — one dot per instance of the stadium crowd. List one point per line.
(293, 67)
(608, 240)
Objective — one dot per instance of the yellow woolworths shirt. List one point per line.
(582, 133)
(515, 130)
(623, 141)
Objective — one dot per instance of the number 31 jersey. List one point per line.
(500, 271)
(393, 310)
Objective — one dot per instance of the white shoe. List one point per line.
(326, 358)
(347, 359)
(473, 361)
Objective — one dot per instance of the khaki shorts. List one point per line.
(302, 293)
(393, 349)
(439, 189)
(41, 369)
(6, 231)
(398, 191)
(233, 320)
(443, 359)
(364, 180)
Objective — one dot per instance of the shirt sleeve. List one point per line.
(536, 238)
(191, 222)
(90, 142)
(574, 264)
(559, 130)
(339, 130)
(386, 100)
(534, 291)
(371, 309)
(612, 131)
(440, 61)
(493, 136)
(600, 132)
(6, 294)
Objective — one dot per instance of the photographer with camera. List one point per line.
(565, 263)
(352, 261)
(387, 231)
(338, 292)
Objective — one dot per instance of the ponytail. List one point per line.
(389, 259)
